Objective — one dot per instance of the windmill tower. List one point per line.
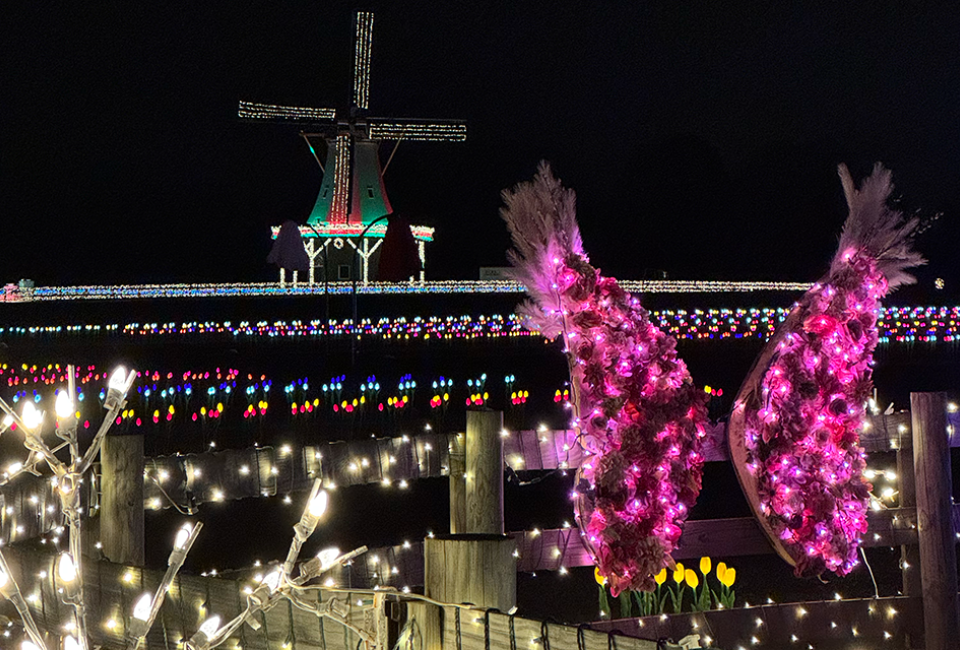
(345, 223)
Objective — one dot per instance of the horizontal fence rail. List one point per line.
(29, 508)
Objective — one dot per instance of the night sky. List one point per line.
(702, 140)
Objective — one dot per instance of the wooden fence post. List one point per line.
(906, 479)
(458, 486)
(484, 471)
(121, 509)
(476, 565)
(938, 554)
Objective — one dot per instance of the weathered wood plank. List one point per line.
(938, 549)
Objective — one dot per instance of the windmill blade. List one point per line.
(362, 47)
(256, 111)
(427, 130)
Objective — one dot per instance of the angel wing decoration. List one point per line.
(794, 430)
(638, 415)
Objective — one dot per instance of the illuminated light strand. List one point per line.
(896, 325)
(240, 289)
(437, 131)
(377, 230)
(363, 46)
(257, 111)
(341, 181)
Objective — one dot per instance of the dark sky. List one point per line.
(702, 138)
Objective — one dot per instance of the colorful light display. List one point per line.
(266, 289)
(795, 431)
(894, 325)
(638, 415)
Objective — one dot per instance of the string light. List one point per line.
(257, 111)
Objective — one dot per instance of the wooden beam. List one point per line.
(458, 486)
(938, 551)
(484, 472)
(121, 509)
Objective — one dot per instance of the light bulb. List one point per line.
(118, 380)
(328, 556)
(66, 569)
(7, 421)
(142, 609)
(182, 536)
(319, 504)
(63, 405)
(30, 415)
(29, 645)
(272, 580)
(210, 626)
(70, 643)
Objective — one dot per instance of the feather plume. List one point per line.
(541, 216)
(878, 230)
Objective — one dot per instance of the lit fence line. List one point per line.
(192, 599)
(29, 508)
(267, 289)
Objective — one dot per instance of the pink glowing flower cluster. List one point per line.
(639, 415)
(803, 440)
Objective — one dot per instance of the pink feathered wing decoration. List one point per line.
(794, 431)
(639, 417)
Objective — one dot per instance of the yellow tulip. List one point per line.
(721, 570)
(730, 577)
(705, 565)
(678, 573)
(691, 577)
(601, 580)
(661, 577)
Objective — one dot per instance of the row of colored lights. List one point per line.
(896, 324)
(200, 395)
(241, 289)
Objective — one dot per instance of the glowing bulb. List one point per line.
(327, 556)
(210, 626)
(319, 504)
(70, 643)
(142, 609)
(29, 645)
(63, 405)
(118, 380)
(272, 580)
(66, 569)
(30, 415)
(182, 536)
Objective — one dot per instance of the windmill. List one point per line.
(347, 218)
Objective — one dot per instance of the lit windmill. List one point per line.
(352, 196)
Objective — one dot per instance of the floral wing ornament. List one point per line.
(638, 416)
(794, 430)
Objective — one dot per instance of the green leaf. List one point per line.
(626, 604)
(604, 604)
